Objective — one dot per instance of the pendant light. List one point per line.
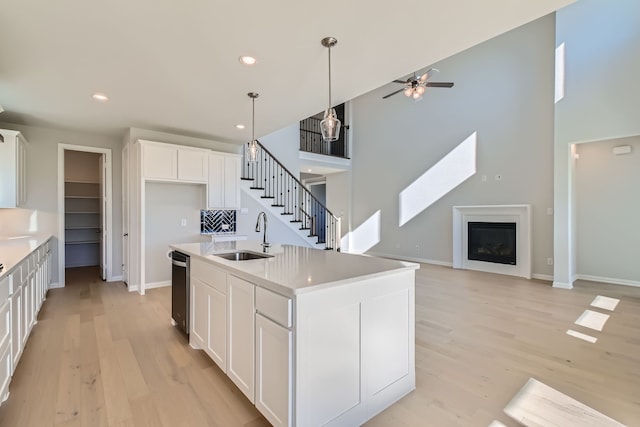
(252, 150)
(330, 125)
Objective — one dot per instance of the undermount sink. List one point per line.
(242, 255)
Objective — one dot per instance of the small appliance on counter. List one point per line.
(180, 290)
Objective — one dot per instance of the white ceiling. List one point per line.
(173, 66)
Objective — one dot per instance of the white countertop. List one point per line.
(14, 249)
(294, 269)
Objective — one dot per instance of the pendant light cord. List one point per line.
(329, 76)
(253, 119)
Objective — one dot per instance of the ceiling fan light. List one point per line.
(420, 90)
(408, 91)
(416, 95)
(330, 125)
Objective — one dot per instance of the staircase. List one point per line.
(281, 191)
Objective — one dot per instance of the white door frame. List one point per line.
(61, 210)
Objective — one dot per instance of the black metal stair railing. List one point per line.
(287, 192)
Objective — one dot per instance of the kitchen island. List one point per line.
(311, 337)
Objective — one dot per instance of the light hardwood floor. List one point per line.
(101, 356)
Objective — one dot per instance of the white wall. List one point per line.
(607, 207)
(41, 212)
(166, 205)
(503, 94)
(338, 200)
(602, 98)
(278, 231)
(284, 144)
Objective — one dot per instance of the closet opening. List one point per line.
(84, 206)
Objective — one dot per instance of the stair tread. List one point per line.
(267, 197)
(246, 179)
(256, 188)
(278, 206)
(295, 220)
(286, 213)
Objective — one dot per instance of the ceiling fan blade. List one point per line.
(392, 93)
(439, 84)
(400, 81)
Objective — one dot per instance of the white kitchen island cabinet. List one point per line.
(315, 338)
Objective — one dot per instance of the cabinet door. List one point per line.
(199, 314)
(232, 182)
(240, 362)
(159, 162)
(274, 345)
(26, 310)
(21, 172)
(216, 181)
(193, 165)
(16, 327)
(217, 338)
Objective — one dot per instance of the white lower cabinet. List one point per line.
(240, 318)
(21, 294)
(199, 314)
(209, 311)
(16, 325)
(274, 390)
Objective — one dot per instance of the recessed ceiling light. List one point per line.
(308, 170)
(100, 97)
(239, 126)
(248, 60)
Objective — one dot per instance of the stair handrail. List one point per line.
(262, 147)
(333, 229)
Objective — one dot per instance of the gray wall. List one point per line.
(504, 93)
(166, 205)
(607, 206)
(42, 186)
(602, 100)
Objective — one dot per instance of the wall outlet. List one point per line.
(183, 222)
(498, 177)
(549, 261)
(484, 178)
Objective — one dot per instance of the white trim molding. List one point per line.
(518, 214)
(610, 280)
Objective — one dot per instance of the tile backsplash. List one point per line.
(217, 221)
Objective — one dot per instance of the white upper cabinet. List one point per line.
(224, 181)
(193, 165)
(13, 170)
(168, 162)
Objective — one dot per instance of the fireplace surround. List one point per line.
(500, 216)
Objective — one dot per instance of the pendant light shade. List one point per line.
(330, 125)
(252, 150)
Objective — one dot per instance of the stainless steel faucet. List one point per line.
(265, 244)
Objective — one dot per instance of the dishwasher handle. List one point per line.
(179, 263)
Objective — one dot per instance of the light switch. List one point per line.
(183, 222)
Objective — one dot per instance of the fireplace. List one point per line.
(492, 242)
(502, 235)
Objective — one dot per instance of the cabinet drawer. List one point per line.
(276, 307)
(209, 274)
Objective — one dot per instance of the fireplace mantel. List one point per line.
(520, 214)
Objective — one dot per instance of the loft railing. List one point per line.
(311, 139)
(287, 192)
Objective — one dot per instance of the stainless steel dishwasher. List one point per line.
(180, 290)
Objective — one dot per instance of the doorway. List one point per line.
(84, 191)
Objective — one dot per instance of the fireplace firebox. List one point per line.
(492, 242)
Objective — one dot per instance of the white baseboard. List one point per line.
(157, 284)
(55, 285)
(545, 277)
(609, 280)
(114, 279)
(132, 288)
(562, 285)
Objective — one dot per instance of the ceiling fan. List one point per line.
(415, 86)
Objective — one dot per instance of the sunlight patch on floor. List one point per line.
(592, 320)
(605, 303)
(538, 405)
(582, 336)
